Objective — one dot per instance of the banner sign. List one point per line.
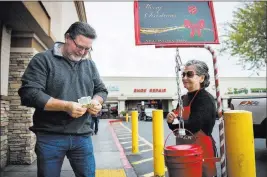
(175, 22)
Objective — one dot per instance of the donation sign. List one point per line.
(175, 22)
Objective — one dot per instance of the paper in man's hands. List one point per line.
(85, 102)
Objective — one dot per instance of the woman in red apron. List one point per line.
(199, 112)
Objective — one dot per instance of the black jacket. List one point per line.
(203, 112)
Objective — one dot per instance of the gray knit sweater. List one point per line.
(48, 75)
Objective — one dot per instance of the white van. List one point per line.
(256, 105)
(148, 113)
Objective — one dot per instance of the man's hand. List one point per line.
(94, 107)
(74, 109)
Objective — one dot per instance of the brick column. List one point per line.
(3, 136)
(21, 140)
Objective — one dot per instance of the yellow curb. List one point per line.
(110, 173)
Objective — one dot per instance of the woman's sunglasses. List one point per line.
(188, 74)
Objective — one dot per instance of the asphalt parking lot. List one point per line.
(143, 162)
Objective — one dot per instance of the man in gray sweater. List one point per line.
(52, 83)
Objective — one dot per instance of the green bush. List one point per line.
(123, 113)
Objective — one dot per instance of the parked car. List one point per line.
(256, 105)
(114, 110)
(147, 114)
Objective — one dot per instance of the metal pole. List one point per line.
(219, 108)
(158, 143)
(135, 147)
(126, 117)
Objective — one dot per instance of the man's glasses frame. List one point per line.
(81, 47)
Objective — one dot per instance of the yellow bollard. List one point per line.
(158, 143)
(135, 147)
(239, 143)
(126, 117)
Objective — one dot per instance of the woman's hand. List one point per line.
(170, 117)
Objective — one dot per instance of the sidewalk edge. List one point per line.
(126, 164)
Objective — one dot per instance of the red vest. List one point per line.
(205, 141)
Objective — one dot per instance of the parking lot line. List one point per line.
(142, 151)
(124, 138)
(142, 161)
(141, 138)
(151, 174)
(146, 150)
(121, 132)
(138, 145)
(127, 133)
(127, 142)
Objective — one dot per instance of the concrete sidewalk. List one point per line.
(110, 158)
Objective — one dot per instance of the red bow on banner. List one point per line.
(195, 27)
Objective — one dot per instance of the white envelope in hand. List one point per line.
(176, 121)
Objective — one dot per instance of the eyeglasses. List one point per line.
(81, 47)
(188, 74)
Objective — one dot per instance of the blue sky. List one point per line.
(115, 52)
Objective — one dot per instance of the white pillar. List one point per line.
(5, 59)
(170, 106)
(174, 103)
(121, 106)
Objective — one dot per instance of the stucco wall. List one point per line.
(125, 86)
(62, 15)
(69, 13)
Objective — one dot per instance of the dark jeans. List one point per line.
(52, 148)
(94, 124)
